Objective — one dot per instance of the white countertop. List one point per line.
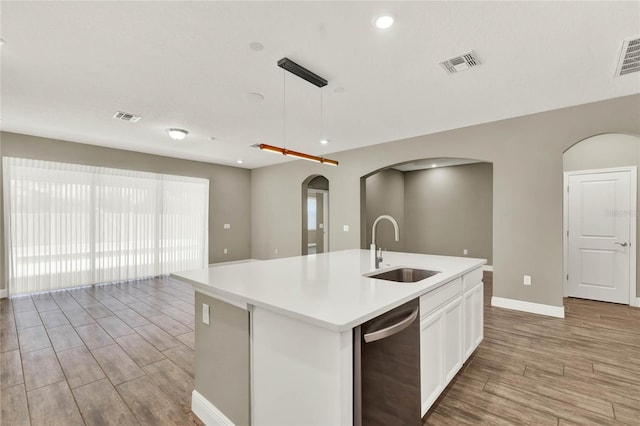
(325, 289)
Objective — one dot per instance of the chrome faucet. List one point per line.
(376, 256)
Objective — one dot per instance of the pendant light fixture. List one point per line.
(288, 65)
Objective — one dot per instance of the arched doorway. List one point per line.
(315, 215)
(600, 218)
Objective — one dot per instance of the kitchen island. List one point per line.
(278, 346)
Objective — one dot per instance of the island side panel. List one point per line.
(302, 374)
(222, 358)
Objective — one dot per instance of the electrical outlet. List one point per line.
(225, 251)
(227, 226)
(205, 314)
(527, 280)
(276, 251)
(345, 228)
(465, 252)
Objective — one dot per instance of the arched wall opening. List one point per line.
(315, 215)
(443, 206)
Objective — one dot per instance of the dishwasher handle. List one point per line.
(392, 329)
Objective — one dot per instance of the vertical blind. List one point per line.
(68, 225)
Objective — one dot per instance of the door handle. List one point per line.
(622, 244)
(393, 329)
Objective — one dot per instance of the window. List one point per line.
(68, 225)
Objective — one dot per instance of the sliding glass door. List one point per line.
(68, 225)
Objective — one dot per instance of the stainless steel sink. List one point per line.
(403, 275)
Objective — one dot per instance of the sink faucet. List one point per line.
(376, 257)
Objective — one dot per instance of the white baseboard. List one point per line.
(3, 293)
(534, 308)
(207, 412)
(488, 268)
(635, 302)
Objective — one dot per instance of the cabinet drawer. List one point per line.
(471, 279)
(439, 296)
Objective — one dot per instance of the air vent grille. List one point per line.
(125, 116)
(629, 57)
(461, 63)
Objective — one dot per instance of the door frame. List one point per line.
(633, 174)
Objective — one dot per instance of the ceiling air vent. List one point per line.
(125, 116)
(461, 63)
(629, 57)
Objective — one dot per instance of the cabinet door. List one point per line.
(473, 319)
(478, 304)
(431, 359)
(452, 316)
(468, 302)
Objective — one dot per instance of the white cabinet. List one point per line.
(452, 314)
(473, 318)
(431, 359)
(450, 330)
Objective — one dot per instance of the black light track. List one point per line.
(302, 72)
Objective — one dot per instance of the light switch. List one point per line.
(227, 226)
(225, 251)
(205, 314)
(345, 228)
(465, 252)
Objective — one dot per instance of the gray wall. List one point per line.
(526, 153)
(222, 370)
(385, 195)
(602, 152)
(449, 209)
(229, 187)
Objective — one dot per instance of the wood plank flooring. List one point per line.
(536, 370)
(122, 354)
(117, 354)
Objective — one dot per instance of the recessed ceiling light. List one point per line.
(256, 45)
(434, 165)
(383, 22)
(324, 141)
(177, 134)
(239, 161)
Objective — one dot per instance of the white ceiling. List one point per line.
(67, 67)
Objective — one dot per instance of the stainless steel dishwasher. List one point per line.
(386, 368)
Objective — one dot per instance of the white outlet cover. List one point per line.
(345, 228)
(465, 251)
(527, 280)
(225, 251)
(227, 226)
(205, 314)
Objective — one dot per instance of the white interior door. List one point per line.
(600, 225)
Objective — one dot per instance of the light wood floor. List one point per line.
(123, 354)
(119, 354)
(530, 369)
